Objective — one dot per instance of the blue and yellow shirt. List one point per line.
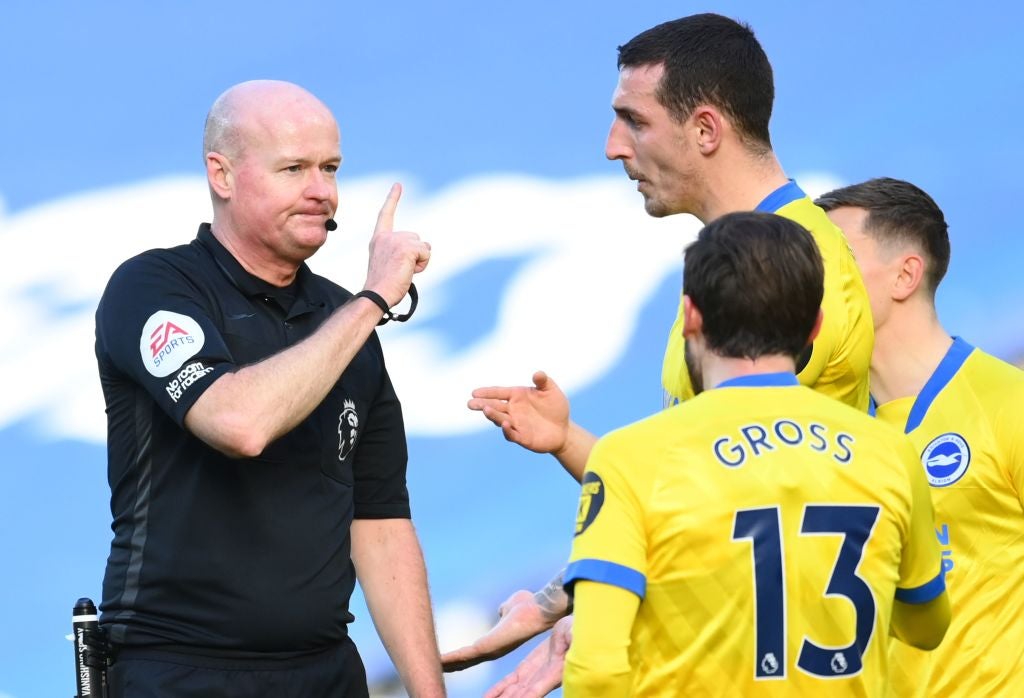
(838, 365)
(767, 530)
(967, 424)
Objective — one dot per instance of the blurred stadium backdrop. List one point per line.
(494, 117)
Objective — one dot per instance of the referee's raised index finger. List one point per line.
(386, 217)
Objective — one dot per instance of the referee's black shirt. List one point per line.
(243, 557)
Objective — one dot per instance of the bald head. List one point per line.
(272, 153)
(247, 108)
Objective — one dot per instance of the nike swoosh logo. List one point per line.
(241, 316)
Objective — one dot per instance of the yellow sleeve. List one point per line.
(611, 540)
(597, 663)
(838, 365)
(675, 379)
(921, 579)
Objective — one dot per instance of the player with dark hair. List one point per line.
(961, 409)
(761, 536)
(692, 107)
(691, 127)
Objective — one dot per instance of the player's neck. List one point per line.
(908, 349)
(739, 182)
(718, 369)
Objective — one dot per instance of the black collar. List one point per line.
(255, 287)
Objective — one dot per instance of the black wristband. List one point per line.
(383, 304)
(376, 298)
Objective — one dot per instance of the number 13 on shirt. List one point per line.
(763, 528)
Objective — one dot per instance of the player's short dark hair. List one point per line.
(758, 280)
(899, 213)
(709, 59)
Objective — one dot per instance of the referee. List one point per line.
(256, 450)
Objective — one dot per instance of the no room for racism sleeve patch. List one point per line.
(169, 340)
(591, 501)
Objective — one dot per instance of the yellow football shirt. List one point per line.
(767, 529)
(838, 365)
(968, 426)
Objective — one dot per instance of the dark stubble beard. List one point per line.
(693, 368)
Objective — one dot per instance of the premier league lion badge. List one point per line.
(348, 429)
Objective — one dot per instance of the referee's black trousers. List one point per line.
(336, 672)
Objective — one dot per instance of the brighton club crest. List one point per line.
(946, 459)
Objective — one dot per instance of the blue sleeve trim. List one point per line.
(786, 194)
(924, 593)
(607, 573)
(950, 364)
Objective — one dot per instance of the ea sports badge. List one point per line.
(946, 459)
(168, 340)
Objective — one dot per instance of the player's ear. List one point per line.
(693, 321)
(219, 174)
(709, 126)
(817, 327)
(909, 277)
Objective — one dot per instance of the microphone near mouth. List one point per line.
(331, 225)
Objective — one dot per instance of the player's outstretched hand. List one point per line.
(394, 255)
(521, 617)
(541, 671)
(536, 418)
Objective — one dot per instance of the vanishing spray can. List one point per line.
(91, 680)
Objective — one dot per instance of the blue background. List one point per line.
(96, 95)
